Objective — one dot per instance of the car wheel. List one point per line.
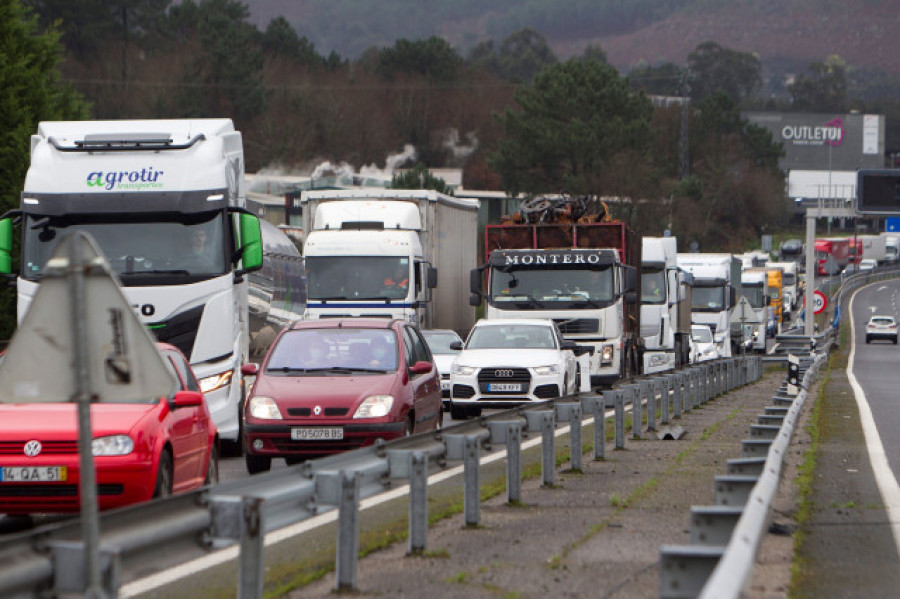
(867, 338)
(895, 341)
(440, 418)
(458, 412)
(163, 486)
(257, 463)
(410, 426)
(212, 469)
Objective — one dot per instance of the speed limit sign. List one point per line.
(819, 301)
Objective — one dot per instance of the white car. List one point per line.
(439, 342)
(881, 327)
(704, 344)
(510, 362)
(868, 264)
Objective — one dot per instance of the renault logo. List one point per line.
(32, 448)
(505, 374)
(317, 410)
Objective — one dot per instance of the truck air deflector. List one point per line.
(125, 142)
(194, 201)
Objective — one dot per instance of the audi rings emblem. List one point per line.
(504, 374)
(317, 410)
(32, 448)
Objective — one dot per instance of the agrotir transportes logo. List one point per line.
(136, 180)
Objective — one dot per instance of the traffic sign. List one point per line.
(744, 313)
(820, 302)
(120, 356)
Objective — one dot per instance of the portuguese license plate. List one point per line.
(321, 433)
(29, 474)
(505, 387)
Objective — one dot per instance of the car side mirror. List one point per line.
(186, 399)
(421, 367)
(250, 369)
(456, 345)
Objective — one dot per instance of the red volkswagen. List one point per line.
(328, 386)
(142, 449)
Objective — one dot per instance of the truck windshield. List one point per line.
(561, 285)
(653, 285)
(151, 245)
(789, 279)
(358, 277)
(754, 294)
(708, 299)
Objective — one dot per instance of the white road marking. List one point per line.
(190, 568)
(887, 482)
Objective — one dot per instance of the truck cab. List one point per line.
(717, 277)
(665, 306)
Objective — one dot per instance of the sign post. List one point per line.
(82, 328)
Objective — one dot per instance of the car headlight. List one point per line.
(545, 370)
(606, 354)
(263, 408)
(216, 381)
(463, 370)
(375, 406)
(112, 445)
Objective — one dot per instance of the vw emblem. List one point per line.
(317, 410)
(503, 373)
(32, 448)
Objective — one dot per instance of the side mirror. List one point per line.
(6, 241)
(456, 345)
(421, 367)
(732, 295)
(431, 275)
(475, 300)
(475, 282)
(631, 297)
(630, 280)
(250, 369)
(251, 242)
(187, 399)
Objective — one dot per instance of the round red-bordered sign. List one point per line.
(820, 302)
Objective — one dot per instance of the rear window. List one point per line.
(882, 320)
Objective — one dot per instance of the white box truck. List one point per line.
(665, 306)
(717, 279)
(755, 288)
(390, 253)
(165, 201)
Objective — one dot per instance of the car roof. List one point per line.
(874, 316)
(546, 322)
(338, 323)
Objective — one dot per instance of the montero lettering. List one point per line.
(538, 259)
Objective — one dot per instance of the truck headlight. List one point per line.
(545, 370)
(216, 381)
(463, 370)
(112, 445)
(375, 406)
(606, 355)
(263, 408)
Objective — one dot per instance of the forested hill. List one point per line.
(786, 34)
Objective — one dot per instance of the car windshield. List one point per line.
(511, 337)
(701, 335)
(439, 341)
(338, 350)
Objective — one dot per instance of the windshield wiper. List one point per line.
(531, 301)
(174, 271)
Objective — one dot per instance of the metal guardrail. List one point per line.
(725, 537)
(49, 560)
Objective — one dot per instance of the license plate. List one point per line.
(318, 433)
(28, 474)
(507, 387)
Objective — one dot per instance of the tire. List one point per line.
(565, 387)
(895, 341)
(458, 412)
(212, 468)
(867, 339)
(410, 426)
(164, 475)
(257, 463)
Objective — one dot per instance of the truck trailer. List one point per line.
(165, 202)
(390, 253)
(581, 275)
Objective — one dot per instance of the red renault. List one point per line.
(142, 449)
(327, 386)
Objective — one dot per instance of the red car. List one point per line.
(328, 386)
(141, 450)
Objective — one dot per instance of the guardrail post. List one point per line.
(696, 376)
(471, 501)
(513, 462)
(418, 503)
(348, 531)
(678, 394)
(596, 406)
(241, 519)
(570, 411)
(548, 449)
(664, 383)
(637, 411)
(649, 389)
(619, 399)
(70, 577)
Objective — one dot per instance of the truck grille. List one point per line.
(578, 325)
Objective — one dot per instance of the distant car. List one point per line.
(508, 362)
(868, 264)
(704, 343)
(850, 269)
(327, 386)
(142, 449)
(439, 341)
(881, 327)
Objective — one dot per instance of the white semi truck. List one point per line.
(165, 201)
(755, 287)
(383, 253)
(717, 279)
(790, 282)
(666, 291)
